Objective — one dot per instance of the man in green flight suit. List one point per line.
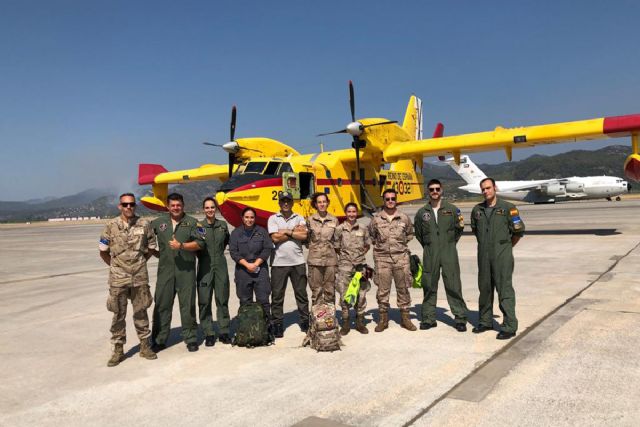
(438, 226)
(213, 276)
(498, 227)
(179, 237)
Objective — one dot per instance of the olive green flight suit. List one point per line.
(176, 274)
(438, 239)
(213, 278)
(493, 229)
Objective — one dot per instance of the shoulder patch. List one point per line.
(201, 230)
(426, 216)
(513, 212)
(163, 226)
(478, 214)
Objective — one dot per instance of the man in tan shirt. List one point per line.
(391, 231)
(126, 244)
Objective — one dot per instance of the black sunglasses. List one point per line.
(435, 190)
(128, 204)
(389, 199)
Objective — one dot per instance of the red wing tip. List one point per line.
(621, 124)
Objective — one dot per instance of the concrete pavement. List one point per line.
(54, 343)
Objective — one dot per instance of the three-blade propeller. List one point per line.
(355, 129)
(232, 147)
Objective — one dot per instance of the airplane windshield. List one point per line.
(271, 169)
(255, 167)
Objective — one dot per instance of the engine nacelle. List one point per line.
(554, 189)
(574, 187)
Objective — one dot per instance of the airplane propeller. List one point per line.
(355, 129)
(231, 147)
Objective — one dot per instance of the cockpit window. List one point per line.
(240, 169)
(254, 167)
(271, 169)
(286, 167)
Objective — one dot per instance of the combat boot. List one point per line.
(346, 326)
(117, 356)
(383, 322)
(360, 326)
(406, 321)
(146, 352)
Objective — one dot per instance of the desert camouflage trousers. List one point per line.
(396, 269)
(322, 281)
(345, 273)
(140, 297)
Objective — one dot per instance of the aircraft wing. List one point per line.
(156, 174)
(528, 186)
(520, 137)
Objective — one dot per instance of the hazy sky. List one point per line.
(89, 89)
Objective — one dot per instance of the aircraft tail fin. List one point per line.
(467, 170)
(147, 173)
(438, 132)
(412, 123)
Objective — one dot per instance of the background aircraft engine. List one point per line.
(575, 187)
(554, 189)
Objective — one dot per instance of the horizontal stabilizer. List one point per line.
(153, 203)
(147, 173)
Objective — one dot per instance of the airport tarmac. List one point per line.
(574, 360)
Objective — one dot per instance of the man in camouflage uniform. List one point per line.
(439, 226)
(126, 243)
(352, 244)
(498, 227)
(213, 276)
(391, 231)
(179, 238)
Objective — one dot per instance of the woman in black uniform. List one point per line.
(250, 247)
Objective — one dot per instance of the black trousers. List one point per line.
(248, 284)
(298, 276)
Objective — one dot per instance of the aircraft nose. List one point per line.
(220, 198)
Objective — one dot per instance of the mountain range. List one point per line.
(102, 203)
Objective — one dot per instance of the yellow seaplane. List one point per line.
(383, 154)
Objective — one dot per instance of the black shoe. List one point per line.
(502, 335)
(192, 347)
(278, 330)
(225, 339)
(481, 328)
(425, 326)
(461, 327)
(304, 326)
(158, 347)
(209, 341)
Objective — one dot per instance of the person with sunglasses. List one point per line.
(391, 231)
(125, 245)
(179, 236)
(213, 276)
(439, 225)
(288, 230)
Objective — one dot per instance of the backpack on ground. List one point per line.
(323, 330)
(253, 330)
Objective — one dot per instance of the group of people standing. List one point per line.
(266, 259)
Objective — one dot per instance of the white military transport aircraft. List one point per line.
(544, 190)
